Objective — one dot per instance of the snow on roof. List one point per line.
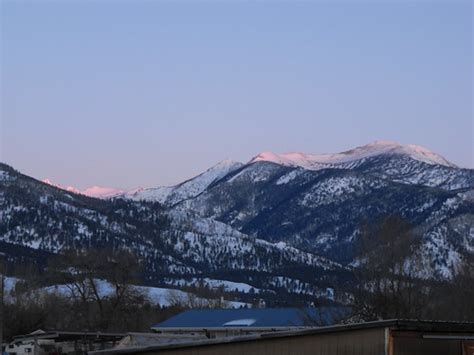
(240, 322)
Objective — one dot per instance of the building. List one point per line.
(61, 342)
(391, 337)
(215, 323)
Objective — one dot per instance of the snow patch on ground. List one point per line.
(156, 295)
(228, 286)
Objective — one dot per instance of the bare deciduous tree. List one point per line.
(388, 282)
(86, 274)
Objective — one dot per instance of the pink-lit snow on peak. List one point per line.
(48, 181)
(318, 161)
(102, 192)
(67, 188)
(72, 189)
(93, 191)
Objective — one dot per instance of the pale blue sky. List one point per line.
(128, 93)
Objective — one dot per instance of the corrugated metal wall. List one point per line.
(356, 342)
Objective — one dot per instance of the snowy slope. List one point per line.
(188, 189)
(205, 240)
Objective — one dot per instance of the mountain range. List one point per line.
(280, 222)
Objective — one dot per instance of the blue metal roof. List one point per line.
(251, 317)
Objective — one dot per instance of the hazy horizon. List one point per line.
(126, 94)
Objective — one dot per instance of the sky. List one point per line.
(148, 93)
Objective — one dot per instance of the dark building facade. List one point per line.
(393, 337)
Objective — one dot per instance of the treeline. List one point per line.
(392, 278)
(94, 290)
(82, 291)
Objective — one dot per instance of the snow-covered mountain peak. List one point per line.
(423, 153)
(319, 161)
(93, 191)
(288, 159)
(67, 188)
(102, 192)
(390, 147)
